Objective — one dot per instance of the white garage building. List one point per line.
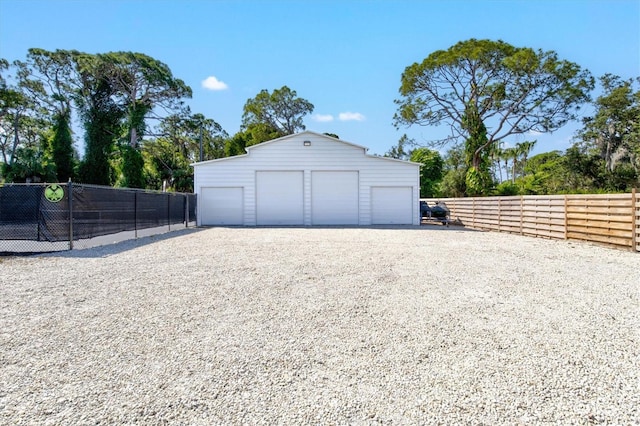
(307, 179)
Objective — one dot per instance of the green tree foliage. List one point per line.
(51, 79)
(31, 160)
(545, 174)
(614, 132)
(256, 133)
(62, 149)
(431, 171)
(455, 172)
(130, 169)
(142, 83)
(22, 129)
(114, 95)
(272, 115)
(401, 151)
(478, 175)
(236, 145)
(515, 159)
(102, 119)
(11, 103)
(510, 90)
(168, 157)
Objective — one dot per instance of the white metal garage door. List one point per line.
(279, 198)
(334, 198)
(221, 206)
(391, 205)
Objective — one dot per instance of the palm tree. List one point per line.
(496, 152)
(524, 149)
(510, 154)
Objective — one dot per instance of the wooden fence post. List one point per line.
(566, 216)
(521, 214)
(473, 212)
(634, 220)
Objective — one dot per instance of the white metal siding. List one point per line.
(279, 198)
(334, 198)
(391, 205)
(323, 154)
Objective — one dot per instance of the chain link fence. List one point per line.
(37, 218)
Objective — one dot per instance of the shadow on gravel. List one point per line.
(423, 227)
(123, 246)
(120, 246)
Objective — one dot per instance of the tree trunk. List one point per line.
(133, 140)
(16, 136)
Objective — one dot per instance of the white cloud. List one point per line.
(212, 83)
(351, 116)
(322, 118)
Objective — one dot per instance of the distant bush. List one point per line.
(507, 188)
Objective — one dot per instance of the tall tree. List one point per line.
(275, 114)
(510, 90)
(62, 148)
(51, 78)
(614, 130)
(140, 84)
(102, 120)
(13, 103)
(478, 175)
(24, 135)
(524, 150)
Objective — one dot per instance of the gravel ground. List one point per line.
(322, 326)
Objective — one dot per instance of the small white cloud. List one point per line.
(322, 118)
(351, 116)
(212, 83)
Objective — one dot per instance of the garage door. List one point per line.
(279, 198)
(334, 198)
(391, 205)
(221, 206)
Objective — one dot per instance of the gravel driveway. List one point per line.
(322, 326)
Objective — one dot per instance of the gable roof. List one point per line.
(305, 132)
(297, 135)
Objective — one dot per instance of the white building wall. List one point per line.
(324, 153)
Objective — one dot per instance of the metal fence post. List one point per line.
(186, 210)
(135, 214)
(70, 196)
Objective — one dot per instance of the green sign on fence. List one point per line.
(54, 193)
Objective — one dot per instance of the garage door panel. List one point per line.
(334, 198)
(221, 205)
(279, 198)
(391, 205)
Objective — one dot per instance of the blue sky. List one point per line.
(346, 57)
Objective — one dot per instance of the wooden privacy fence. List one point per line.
(612, 219)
